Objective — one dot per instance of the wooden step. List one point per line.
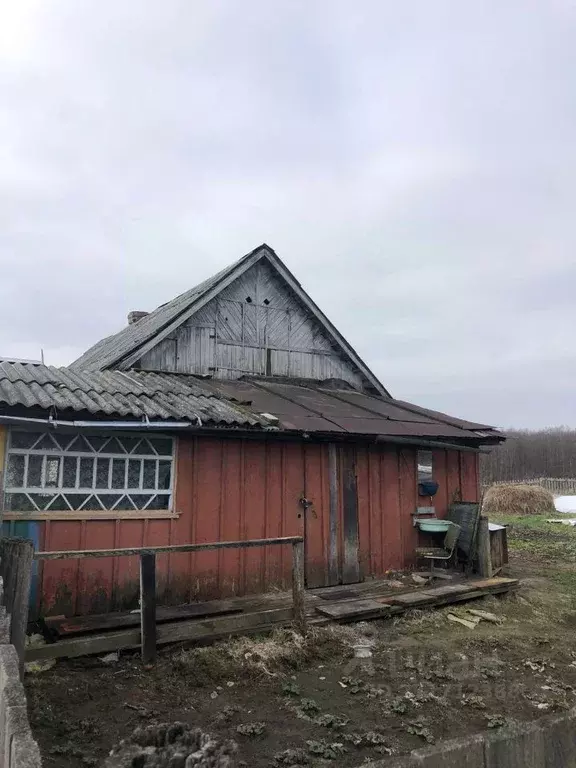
(353, 609)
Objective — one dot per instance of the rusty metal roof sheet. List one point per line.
(250, 403)
(313, 408)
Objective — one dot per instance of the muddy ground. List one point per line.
(286, 702)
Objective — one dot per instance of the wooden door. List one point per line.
(330, 511)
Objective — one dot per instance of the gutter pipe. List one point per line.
(97, 424)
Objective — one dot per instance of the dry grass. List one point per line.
(281, 651)
(518, 500)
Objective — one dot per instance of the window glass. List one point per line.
(424, 466)
(63, 471)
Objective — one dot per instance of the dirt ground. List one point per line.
(288, 702)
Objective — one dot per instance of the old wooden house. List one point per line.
(236, 410)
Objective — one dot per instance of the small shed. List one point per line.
(498, 546)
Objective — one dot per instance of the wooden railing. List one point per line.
(148, 577)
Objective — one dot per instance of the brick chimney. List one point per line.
(135, 316)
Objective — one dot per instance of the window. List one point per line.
(424, 466)
(64, 471)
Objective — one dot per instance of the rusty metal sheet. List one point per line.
(381, 407)
(439, 416)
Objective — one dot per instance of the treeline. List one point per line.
(527, 454)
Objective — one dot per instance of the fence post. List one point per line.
(16, 569)
(298, 586)
(148, 607)
(484, 553)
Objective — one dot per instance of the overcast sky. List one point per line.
(413, 163)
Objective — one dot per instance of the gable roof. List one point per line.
(108, 352)
(248, 404)
(124, 349)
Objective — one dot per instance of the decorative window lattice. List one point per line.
(62, 471)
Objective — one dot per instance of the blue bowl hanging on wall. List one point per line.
(427, 488)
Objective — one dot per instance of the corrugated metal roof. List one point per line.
(295, 407)
(133, 394)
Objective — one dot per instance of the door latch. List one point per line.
(306, 504)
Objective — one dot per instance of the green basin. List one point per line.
(433, 526)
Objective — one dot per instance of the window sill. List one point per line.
(122, 514)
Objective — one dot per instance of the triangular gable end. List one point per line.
(256, 320)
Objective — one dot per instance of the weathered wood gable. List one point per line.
(254, 326)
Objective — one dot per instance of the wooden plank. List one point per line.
(494, 582)
(19, 619)
(350, 561)
(461, 598)
(450, 589)
(483, 548)
(80, 553)
(505, 546)
(216, 628)
(7, 572)
(84, 646)
(411, 599)
(353, 609)
(194, 630)
(333, 569)
(81, 625)
(298, 586)
(148, 607)
(17, 555)
(262, 620)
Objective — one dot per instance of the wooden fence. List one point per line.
(148, 638)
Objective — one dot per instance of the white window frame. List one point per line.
(142, 451)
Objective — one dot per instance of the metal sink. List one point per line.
(433, 525)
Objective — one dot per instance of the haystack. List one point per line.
(518, 500)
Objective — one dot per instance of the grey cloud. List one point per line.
(412, 163)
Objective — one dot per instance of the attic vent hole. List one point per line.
(248, 299)
(266, 301)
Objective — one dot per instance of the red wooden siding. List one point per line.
(469, 476)
(230, 489)
(457, 473)
(317, 525)
(381, 515)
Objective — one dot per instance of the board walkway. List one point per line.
(217, 619)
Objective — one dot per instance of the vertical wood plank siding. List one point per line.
(230, 489)
(272, 333)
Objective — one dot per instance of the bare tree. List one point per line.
(529, 454)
